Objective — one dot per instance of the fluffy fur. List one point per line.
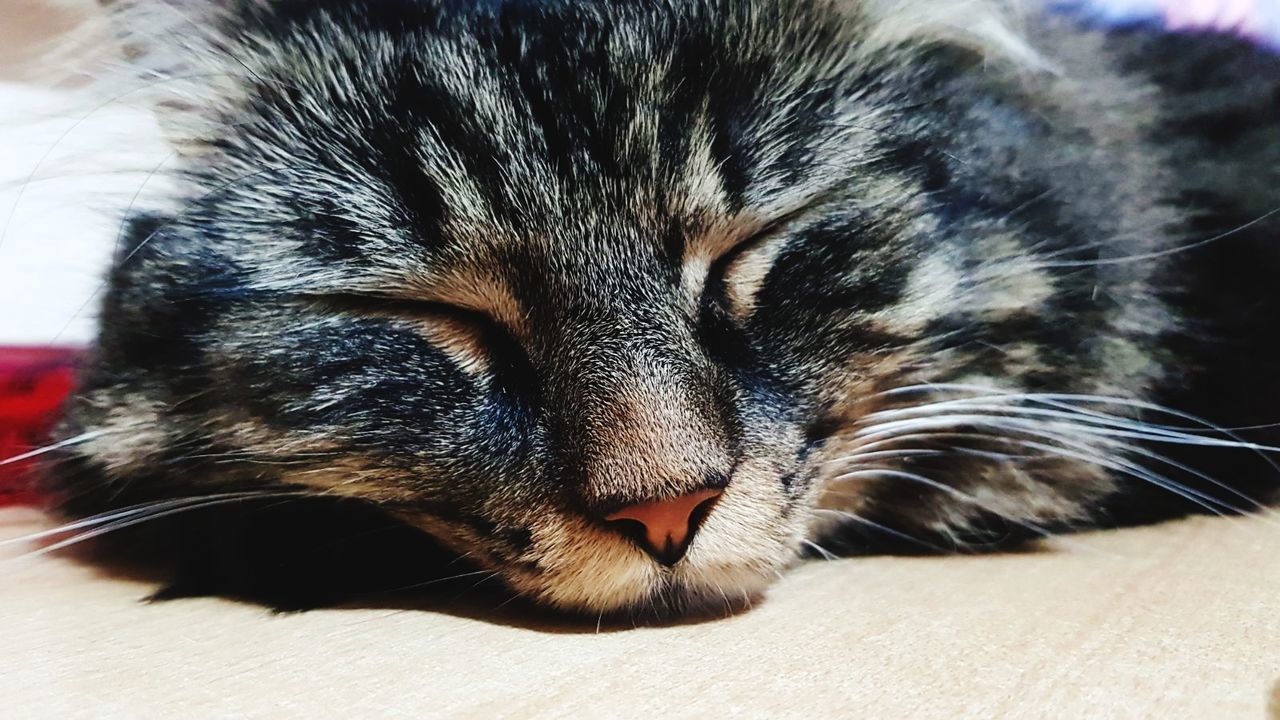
(891, 274)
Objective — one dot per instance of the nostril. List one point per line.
(665, 528)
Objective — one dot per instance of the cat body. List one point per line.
(847, 276)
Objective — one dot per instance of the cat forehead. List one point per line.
(586, 150)
(500, 163)
(528, 127)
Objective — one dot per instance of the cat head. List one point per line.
(598, 294)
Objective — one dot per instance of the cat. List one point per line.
(630, 305)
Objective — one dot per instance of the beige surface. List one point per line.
(1177, 621)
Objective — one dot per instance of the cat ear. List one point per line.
(991, 27)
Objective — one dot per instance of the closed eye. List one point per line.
(476, 342)
(403, 308)
(735, 278)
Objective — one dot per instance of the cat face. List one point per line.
(601, 297)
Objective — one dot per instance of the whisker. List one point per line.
(130, 522)
(884, 429)
(95, 520)
(1205, 501)
(1062, 400)
(1166, 252)
(885, 529)
(1011, 420)
(1052, 398)
(83, 437)
(889, 455)
(1007, 423)
(1138, 450)
(946, 489)
(133, 201)
(826, 554)
(1070, 415)
(434, 581)
(914, 477)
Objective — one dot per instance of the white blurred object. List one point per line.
(70, 166)
(66, 178)
(1258, 20)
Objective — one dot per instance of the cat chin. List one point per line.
(713, 590)
(741, 549)
(685, 591)
(610, 576)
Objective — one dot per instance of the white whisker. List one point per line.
(436, 581)
(1060, 426)
(118, 514)
(1057, 398)
(83, 437)
(966, 497)
(1112, 463)
(139, 518)
(883, 528)
(1163, 253)
(889, 455)
(826, 554)
(941, 421)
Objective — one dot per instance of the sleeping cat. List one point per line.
(631, 304)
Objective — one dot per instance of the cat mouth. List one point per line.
(650, 591)
(708, 553)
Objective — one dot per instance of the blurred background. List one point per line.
(69, 164)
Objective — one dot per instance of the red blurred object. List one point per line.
(34, 383)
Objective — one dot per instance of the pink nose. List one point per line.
(667, 526)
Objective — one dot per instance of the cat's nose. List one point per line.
(664, 528)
